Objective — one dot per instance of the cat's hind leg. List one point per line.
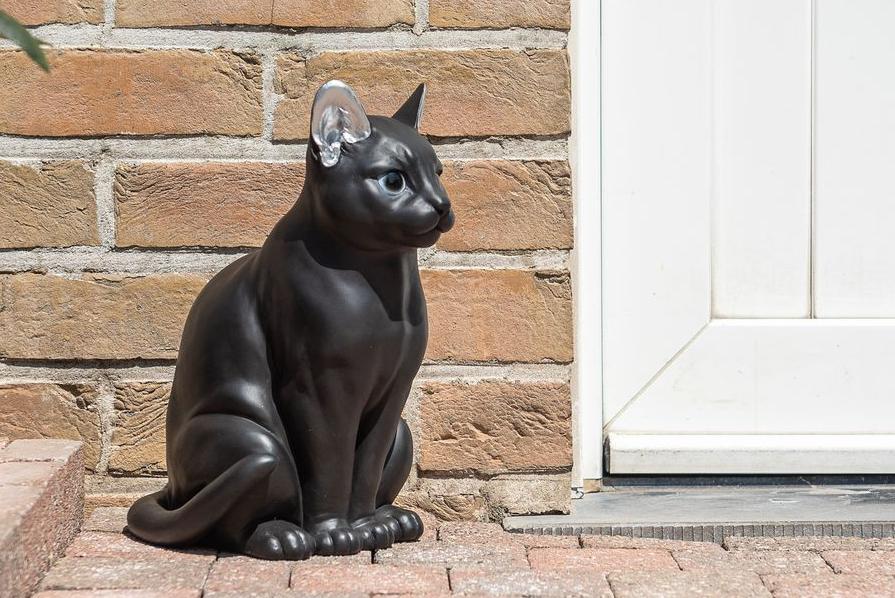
(264, 519)
(405, 524)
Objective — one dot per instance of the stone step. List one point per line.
(41, 508)
(715, 513)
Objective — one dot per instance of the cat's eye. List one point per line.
(392, 182)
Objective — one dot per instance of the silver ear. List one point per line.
(337, 117)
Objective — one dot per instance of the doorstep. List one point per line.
(693, 510)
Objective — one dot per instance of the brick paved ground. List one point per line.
(478, 559)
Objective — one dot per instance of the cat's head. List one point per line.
(376, 178)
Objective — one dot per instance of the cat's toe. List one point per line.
(280, 540)
(406, 525)
(375, 533)
(338, 541)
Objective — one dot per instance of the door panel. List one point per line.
(855, 158)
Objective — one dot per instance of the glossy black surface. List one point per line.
(284, 429)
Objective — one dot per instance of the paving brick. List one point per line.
(92, 92)
(44, 449)
(74, 573)
(19, 473)
(373, 579)
(119, 594)
(626, 542)
(829, 586)
(763, 562)
(244, 574)
(451, 555)
(603, 560)
(489, 581)
(683, 584)
(476, 92)
(811, 543)
(101, 544)
(106, 519)
(861, 563)
(467, 532)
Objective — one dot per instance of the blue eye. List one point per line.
(392, 182)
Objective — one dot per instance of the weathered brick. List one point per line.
(406, 579)
(494, 427)
(488, 581)
(288, 13)
(96, 317)
(473, 14)
(48, 204)
(106, 519)
(74, 573)
(811, 543)
(446, 507)
(507, 556)
(131, 593)
(684, 584)
(498, 315)
(247, 575)
(509, 205)
(861, 563)
(96, 545)
(150, 92)
(138, 440)
(23, 473)
(626, 542)
(829, 586)
(222, 204)
(470, 92)
(47, 449)
(602, 560)
(762, 562)
(42, 12)
(43, 410)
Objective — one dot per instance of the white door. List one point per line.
(748, 186)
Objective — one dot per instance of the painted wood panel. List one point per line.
(761, 158)
(656, 141)
(855, 158)
(774, 377)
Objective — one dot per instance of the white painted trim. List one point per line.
(585, 158)
(752, 453)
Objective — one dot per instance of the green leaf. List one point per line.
(13, 31)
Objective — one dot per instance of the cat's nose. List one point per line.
(442, 204)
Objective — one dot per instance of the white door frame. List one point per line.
(586, 163)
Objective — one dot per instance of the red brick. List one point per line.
(861, 563)
(119, 594)
(42, 12)
(684, 584)
(601, 560)
(474, 14)
(26, 474)
(245, 574)
(210, 204)
(763, 562)
(467, 532)
(495, 427)
(138, 439)
(655, 543)
(470, 92)
(45, 449)
(118, 92)
(47, 204)
(106, 519)
(498, 315)
(99, 545)
(813, 544)
(72, 573)
(507, 556)
(829, 586)
(488, 581)
(509, 205)
(379, 579)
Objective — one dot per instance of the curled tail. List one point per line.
(150, 520)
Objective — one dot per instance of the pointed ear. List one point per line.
(337, 117)
(411, 113)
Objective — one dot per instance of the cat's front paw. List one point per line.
(375, 532)
(334, 537)
(406, 525)
(279, 541)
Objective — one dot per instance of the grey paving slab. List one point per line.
(713, 513)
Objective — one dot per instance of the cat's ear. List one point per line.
(337, 117)
(411, 113)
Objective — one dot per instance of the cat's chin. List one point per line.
(427, 239)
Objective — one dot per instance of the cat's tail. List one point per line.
(152, 521)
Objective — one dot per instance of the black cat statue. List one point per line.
(284, 429)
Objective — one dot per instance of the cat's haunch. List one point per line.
(284, 429)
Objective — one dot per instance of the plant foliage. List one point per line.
(13, 31)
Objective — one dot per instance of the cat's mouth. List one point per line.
(445, 223)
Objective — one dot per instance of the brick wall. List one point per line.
(168, 139)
